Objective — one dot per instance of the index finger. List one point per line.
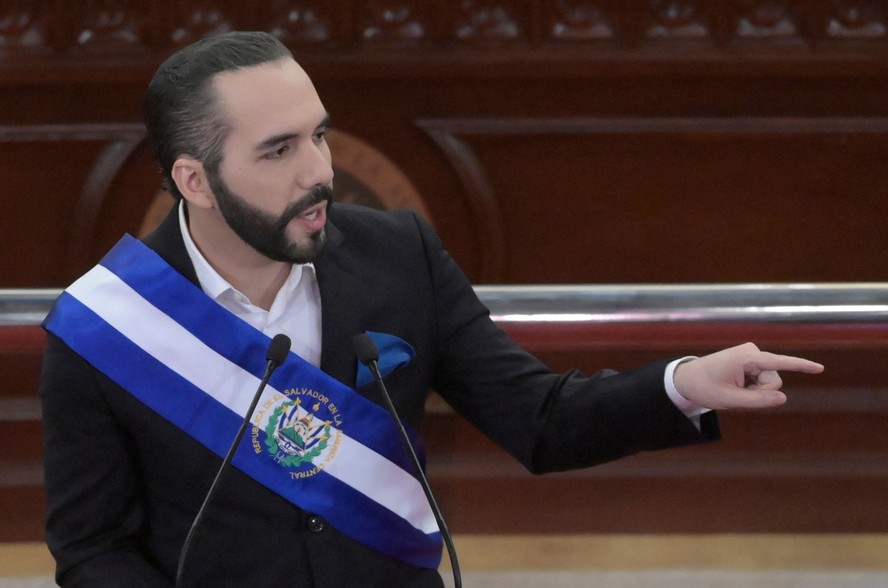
(773, 361)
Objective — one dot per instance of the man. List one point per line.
(152, 356)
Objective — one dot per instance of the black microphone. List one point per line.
(368, 354)
(277, 353)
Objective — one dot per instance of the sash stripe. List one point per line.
(197, 365)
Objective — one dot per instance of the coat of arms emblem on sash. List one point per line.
(299, 435)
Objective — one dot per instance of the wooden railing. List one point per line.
(818, 464)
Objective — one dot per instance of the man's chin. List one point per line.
(308, 251)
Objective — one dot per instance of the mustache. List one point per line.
(316, 196)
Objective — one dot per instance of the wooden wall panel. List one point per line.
(674, 199)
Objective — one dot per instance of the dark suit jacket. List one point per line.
(123, 484)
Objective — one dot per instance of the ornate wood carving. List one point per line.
(394, 23)
(108, 25)
(857, 19)
(580, 21)
(300, 24)
(817, 28)
(196, 19)
(22, 26)
(679, 19)
(488, 20)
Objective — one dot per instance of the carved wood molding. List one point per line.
(667, 125)
(120, 141)
(485, 214)
(34, 33)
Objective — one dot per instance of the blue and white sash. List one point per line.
(313, 440)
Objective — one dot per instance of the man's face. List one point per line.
(269, 234)
(274, 184)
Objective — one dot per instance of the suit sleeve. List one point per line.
(548, 421)
(93, 492)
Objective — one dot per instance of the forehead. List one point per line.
(269, 98)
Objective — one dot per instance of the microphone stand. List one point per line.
(369, 356)
(277, 353)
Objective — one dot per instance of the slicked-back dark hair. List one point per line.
(181, 109)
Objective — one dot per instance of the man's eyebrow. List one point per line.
(284, 137)
(275, 140)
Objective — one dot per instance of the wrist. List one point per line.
(688, 407)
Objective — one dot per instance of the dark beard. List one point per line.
(266, 233)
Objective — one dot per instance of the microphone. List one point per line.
(368, 354)
(277, 353)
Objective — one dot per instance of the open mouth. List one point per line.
(314, 218)
(314, 212)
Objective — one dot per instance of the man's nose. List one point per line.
(315, 167)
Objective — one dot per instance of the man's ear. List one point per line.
(191, 179)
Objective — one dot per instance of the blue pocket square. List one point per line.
(393, 353)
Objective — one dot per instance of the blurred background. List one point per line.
(626, 142)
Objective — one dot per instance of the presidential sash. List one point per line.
(313, 440)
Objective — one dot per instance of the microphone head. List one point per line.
(278, 349)
(365, 348)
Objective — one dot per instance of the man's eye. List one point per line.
(320, 136)
(277, 153)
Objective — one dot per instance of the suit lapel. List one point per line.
(339, 284)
